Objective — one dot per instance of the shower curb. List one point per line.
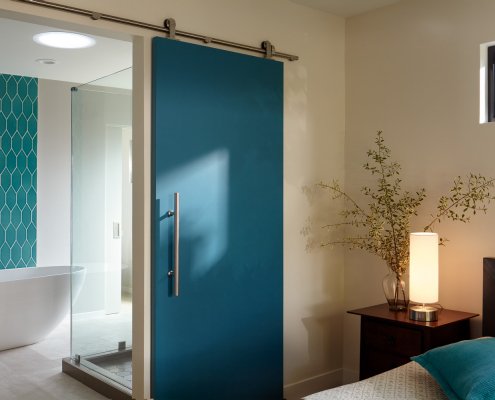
(99, 384)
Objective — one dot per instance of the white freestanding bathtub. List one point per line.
(33, 301)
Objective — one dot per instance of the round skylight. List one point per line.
(64, 40)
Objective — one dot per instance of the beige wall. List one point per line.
(314, 139)
(412, 70)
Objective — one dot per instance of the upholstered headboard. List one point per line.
(488, 296)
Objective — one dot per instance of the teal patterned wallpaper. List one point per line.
(18, 169)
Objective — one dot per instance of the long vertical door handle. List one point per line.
(175, 273)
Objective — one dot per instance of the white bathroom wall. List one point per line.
(53, 236)
(113, 219)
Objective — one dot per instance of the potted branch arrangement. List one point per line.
(382, 226)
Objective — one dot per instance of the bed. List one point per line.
(462, 370)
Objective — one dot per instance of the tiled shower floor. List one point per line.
(95, 334)
(117, 364)
(96, 339)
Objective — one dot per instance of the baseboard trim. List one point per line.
(349, 376)
(305, 387)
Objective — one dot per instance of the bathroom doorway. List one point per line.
(101, 317)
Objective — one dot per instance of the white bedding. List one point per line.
(410, 381)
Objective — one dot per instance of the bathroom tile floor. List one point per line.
(35, 372)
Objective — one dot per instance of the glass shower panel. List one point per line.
(101, 226)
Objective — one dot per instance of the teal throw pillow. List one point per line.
(465, 370)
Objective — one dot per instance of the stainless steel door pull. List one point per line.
(174, 273)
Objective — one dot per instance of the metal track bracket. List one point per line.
(170, 24)
(269, 48)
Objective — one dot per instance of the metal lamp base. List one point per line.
(423, 313)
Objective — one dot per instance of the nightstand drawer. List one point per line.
(391, 339)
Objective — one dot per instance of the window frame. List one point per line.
(491, 83)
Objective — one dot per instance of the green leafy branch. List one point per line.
(383, 226)
(467, 197)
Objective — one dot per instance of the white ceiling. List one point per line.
(18, 54)
(346, 8)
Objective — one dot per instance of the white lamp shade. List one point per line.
(423, 267)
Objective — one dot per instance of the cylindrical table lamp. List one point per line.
(423, 275)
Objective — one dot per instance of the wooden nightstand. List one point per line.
(389, 338)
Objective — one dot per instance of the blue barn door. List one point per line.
(217, 258)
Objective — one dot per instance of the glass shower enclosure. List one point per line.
(101, 315)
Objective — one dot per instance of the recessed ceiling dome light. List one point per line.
(46, 61)
(64, 40)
